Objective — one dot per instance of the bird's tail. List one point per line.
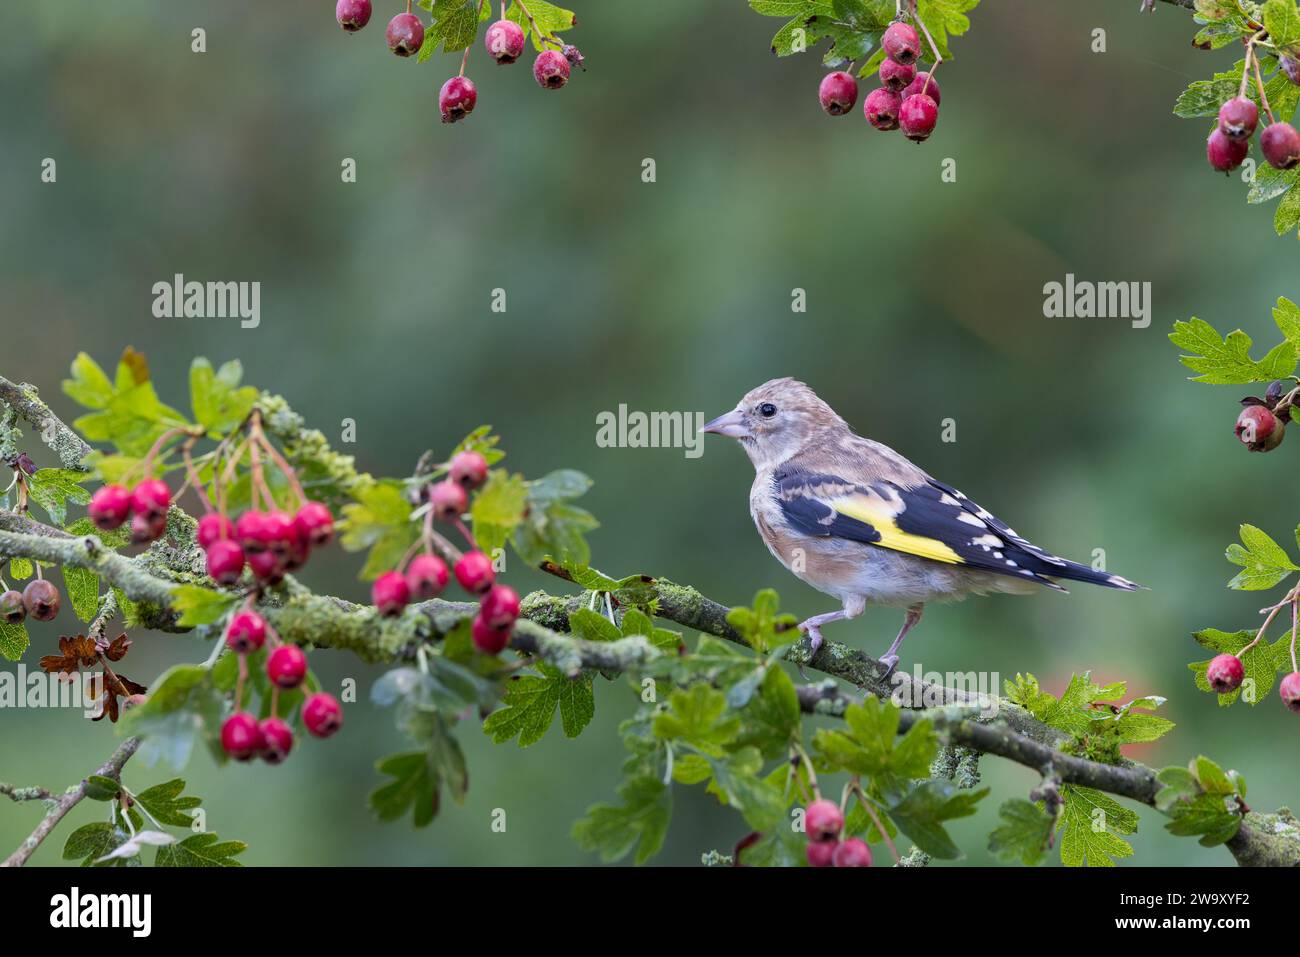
(1073, 571)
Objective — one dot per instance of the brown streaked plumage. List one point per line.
(857, 520)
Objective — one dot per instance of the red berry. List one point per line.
(474, 572)
(823, 821)
(352, 15)
(240, 736)
(151, 498)
(41, 599)
(12, 609)
(286, 666)
(1238, 118)
(225, 561)
(426, 577)
(487, 639)
(1290, 691)
(917, 117)
(148, 528)
(322, 715)
(881, 108)
(315, 524)
(277, 740)
(1224, 153)
(821, 853)
(468, 468)
(247, 632)
(405, 34)
(901, 43)
(390, 593)
(1281, 145)
(253, 531)
(1259, 429)
(1225, 673)
(896, 76)
(504, 41)
(457, 98)
(109, 507)
(212, 528)
(852, 853)
(267, 567)
(924, 83)
(551, 69)
(838, 93)
(500, 606)
(279, 531)
(449, 500)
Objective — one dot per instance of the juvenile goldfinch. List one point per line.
(856, 520)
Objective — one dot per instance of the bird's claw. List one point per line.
(814, 635)
(890, 662)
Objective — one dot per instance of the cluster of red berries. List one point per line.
(505, 41)
(146, 505)
(272, 543)
(1226, 673)
(905, 99)
(824, 823)
(243, 737)
(1238, 119)
(426, 575)
(40, 599)
(1261, 426)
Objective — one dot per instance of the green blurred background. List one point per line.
(925, 302)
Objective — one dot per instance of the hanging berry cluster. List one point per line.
(455, 26)
(423, 572)
(1229, 141)
(907, 99)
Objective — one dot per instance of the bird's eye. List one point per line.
(767, 410)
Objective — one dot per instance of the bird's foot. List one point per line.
(890, 662)
(814, 634)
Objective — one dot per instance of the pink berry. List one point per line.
(390, 593)
(352, 15)
(240, 736)
(457, 98)
(279, 531)
(322, 715)
(917, 117)
(315, 524)
(246, 633)
(253, 532)
(151, 498)
(852, 853)
(225, 561)
(148, 528)
(1225, 673)
(474, 572)
(405, 34)
(504, 41)
(286, 666)
(823, 821)
(448, 500)
(881, 108)
(1280, 144)
(551, 69)
(267, 567)
(500, 606)
(838, 93)
(487, 639)
(901, 43)
(1259, 429)
(277, 740)
(12, 609)
(109, 507)
(1238, 118)
(41, 599)
(468, 469)
(821, 853)
(1224, 153)
(213, 527)
(1290, 691)
(896, 76)
(426, 577)
(924, 83)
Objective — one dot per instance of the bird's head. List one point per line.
(776, 420)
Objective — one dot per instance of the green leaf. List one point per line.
(870, 746)
(92, 841)
(380, 520)
(200, 850)
(632, 590)
(83, 591)
(1227, 361)
(1287, 215)
(771, 719)
(1287, 316)
(640, 822)
(1090, 826)
(1026, 829)
(13, 640)
(455, 25)
(920, 815)
(219, 403)
(760, 624)
(698, 718)
(183, 705)
(89, 386)
(944, 17)
(736, 782)
(21, 568)
(200, 606)
(415, 787)
(530, 702)
(167, 805)
(130, 415)
(52, 489)
(1200, 801)
(1264, 562)
(550, 19)
(102, 788)
(498, 509)
(1260, 664)
(1270, 183)
(1282, 21)
(551, 526)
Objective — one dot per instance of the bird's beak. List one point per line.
(732, 425)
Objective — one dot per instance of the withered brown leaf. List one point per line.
(76, 652)
(117, 648)
(109, 687)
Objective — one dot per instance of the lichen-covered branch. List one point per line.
(66, 444)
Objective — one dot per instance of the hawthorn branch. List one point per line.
(66, 444)
(112, 769)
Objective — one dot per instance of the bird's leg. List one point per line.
(813, 627)
(890, 658)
